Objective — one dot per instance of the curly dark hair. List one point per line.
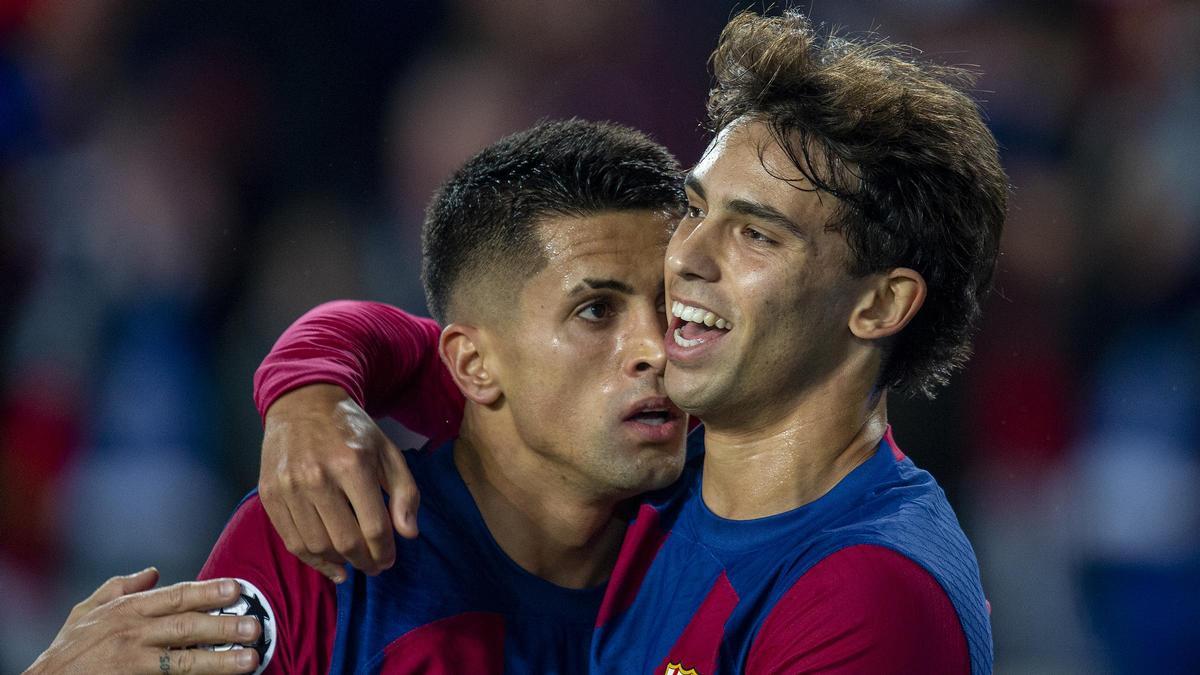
(481, 224)
(903, 148)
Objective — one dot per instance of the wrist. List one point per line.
(320, 397)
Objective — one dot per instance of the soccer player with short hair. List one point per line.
(542, 255)
(842, 231)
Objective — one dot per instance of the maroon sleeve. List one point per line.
(385, 358)
(302, 602)
(863, 609)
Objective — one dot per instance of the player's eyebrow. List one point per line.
(748, 207)
(599, 284)
(754, 209)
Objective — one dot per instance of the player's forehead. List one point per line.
(745, 163)
(621, 245)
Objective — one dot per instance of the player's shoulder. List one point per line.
(248, 513)
(867, 603)
(863, 577)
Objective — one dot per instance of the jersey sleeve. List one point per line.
(302, 603)
(863, 609)
(384, 357)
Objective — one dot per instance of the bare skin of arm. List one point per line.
(128, 626)
(323, 462)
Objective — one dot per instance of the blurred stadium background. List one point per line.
(180, 180)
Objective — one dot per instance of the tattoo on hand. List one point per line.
(164, 661)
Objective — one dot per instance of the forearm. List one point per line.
(383, 357)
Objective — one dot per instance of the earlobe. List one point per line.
(463, 349)
(889, 304)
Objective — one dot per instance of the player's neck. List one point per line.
(546, 528)
(753, 471)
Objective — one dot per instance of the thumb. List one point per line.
(402, 490)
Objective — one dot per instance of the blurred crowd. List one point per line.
(181, 180)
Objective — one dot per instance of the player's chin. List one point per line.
(660, 465)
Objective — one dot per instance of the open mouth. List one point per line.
(655, 420)
(695, 325)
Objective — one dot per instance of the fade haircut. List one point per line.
(902, 147)
(481, 227)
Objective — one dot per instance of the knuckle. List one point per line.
(346, 543)
(183, 660)
(279, 484)
(126, 634)
(405, 490)
(228, 630)
(312, 476)
(375, 530)
(296, 548)
(181, 626)
(267, 492)
(175, 596)
(323, 549)
(122, 605)
(347, 463)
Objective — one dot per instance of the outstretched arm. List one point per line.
(324, 458)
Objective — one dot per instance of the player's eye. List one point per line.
(755, 235)
(694, 211)
(596, 311)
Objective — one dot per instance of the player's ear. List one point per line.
(464, 350)
(888, 303)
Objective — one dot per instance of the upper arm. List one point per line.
(302, 602)
(863, 609)
(384, 357)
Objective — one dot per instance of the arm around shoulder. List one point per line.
(383, 357)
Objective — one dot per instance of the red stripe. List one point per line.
(896, 452)
(472, 642)
(696, 649)
(641, 545)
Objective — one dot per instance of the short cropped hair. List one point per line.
(903, 148)
(481, 224)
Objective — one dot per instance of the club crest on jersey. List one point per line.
(252, 602)
(678, 669)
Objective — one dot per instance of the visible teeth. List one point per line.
(699, 315)
(684, 342)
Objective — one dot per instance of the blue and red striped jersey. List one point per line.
(454, 602)
(875, 576)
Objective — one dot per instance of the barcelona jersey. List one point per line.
(873, 577)
(454, 602)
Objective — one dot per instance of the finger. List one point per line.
(198, 661)
(117, 586)
(285, 527)
(188, 596)
(402, 491)
(319, 551)
(312, 530)
(194, 628)
(344, 531)
(372, 515)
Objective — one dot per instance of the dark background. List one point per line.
(180, 180)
